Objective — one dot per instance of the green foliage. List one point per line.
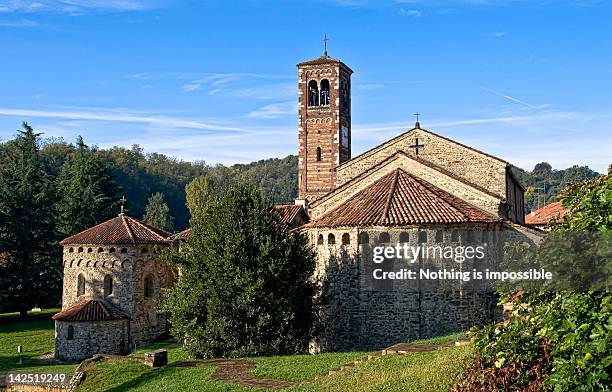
(27, 230)
(87, 193)
(544, 176)
(198, 192)
(245, 286)
(558, 340)
(157, 213)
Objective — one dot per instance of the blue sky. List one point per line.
(528, 81)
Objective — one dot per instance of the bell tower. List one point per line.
(324, 118)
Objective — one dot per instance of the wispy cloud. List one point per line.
(274, 110)
(513, 99)
(410, 13)
(498, 34)
(113, 115)
(21, 23)
(77, 6)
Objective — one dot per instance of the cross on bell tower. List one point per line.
(325, 39)
(417, 124)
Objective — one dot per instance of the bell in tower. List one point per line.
(324, 119)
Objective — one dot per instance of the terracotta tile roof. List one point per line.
(89, 310)
(402, 199)
(120, 230)
(183, 235)
(287, 213)
(545, 214)
(324, 60)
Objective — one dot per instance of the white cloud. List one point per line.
(20, 23)
(410, 13)
(274, 110)
(76, 6)
(115, 115)
(498, 34)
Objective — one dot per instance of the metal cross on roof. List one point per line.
(416, 146)
(122, 201)
(418, 124)
(325, 39)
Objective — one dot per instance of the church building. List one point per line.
(417, 188)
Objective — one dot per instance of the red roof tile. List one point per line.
(89, 310)
(324, 60)
(120, 230)
(545, 214)
(183, 235)
(287, 213)
(402, 199)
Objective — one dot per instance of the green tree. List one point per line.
(157, 213)
(198, 192)
(245, 286)
(87, 191)
(27, 232)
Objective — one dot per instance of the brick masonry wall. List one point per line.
(321, 127)
(90, 338)
(362, 315)
(476, 167)
(457, 188)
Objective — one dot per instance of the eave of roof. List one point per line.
(399, 199)
(90, 310)
(119, 230)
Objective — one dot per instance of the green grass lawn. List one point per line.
(36, 335)
(432, 371)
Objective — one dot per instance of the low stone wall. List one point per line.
(90, 338)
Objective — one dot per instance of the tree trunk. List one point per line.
(23, 314)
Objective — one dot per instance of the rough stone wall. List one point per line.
(90, 338)
(128, 265)
(457, 188)
(321, 127)
(363, 315)
(475, 167)
(148, 323)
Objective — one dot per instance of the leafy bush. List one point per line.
(552, 341)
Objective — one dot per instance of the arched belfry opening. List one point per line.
(324, 92)
(313, 93)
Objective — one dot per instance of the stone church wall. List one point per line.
(361, 314)
(90, 338)
(475, 167)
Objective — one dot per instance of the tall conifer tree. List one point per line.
(87, 191)
(31, 260)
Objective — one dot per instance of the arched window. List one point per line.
(149, 286)
(439, 236)
(71, 250)
(364, 238)
(384, 238)
(346, 239)
(100, 250)
(455, 236)
(404, 237)
(123, 250)
(108, 285)
(313, 93)
(112, 250)
(318, 154)
(320, 240)
(70, 333)
(80, 284)
(89, 250)
(331, 239)
(324, 92)
(80, 249)
(422, 237)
